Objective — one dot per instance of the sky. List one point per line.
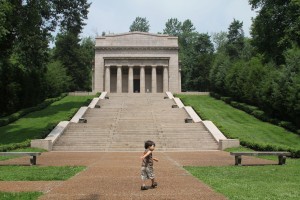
(208, 16)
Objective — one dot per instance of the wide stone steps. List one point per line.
(124, 121)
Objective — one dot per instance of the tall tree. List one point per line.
(140, 24)
(276, 27)
(235, 36)
(173, 27)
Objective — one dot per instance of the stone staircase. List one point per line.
(125, 121)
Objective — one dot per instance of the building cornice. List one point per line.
(136, 48)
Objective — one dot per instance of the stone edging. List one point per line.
(209, 125)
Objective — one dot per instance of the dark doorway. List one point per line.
(136, 85)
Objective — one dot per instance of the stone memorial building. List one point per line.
(136, 62)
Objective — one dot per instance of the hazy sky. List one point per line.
(208, 16)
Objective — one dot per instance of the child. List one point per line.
(147, 165)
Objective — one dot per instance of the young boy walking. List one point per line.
(147, 165)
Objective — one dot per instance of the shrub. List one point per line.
(226, 99)
(13, 146)
(288, 125)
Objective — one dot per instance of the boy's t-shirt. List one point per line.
(148, 161)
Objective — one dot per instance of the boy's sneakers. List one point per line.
(144, 188)
(154, 185)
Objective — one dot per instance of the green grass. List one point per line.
(253, 182)
(235, 123)
(36, 173)
(33, 125)
(20, 195)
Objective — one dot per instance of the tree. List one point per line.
(235, 36)
(57, 79)
(140, 24)
(25, 32)
(173, 27)
(276, 27)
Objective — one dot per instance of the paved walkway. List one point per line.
(116, 175)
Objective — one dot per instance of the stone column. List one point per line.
(154, 86)
(165, 79)
(119, 79)
(142, 79)
(107, 79)
(130, 79)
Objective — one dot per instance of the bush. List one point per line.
(288, 125)
(15, 116)
(226, 99)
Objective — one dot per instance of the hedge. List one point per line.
(15, 116)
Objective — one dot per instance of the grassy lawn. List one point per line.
(235, 123)
(36, 173)
(253, 182)
(20, 195)
(36, 123)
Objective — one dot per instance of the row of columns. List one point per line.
(142, 79)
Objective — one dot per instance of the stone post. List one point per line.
(119, 79)
(165, 79)
(130, 79)
(154, 86)
(142, 79)
(107, 79)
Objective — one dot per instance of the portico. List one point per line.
(136, 63)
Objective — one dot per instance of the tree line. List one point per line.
(263, 71)
(30, 70)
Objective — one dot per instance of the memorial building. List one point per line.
(136, 62)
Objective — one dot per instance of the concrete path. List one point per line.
(115, 175)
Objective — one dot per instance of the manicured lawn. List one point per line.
(36, 173)
(35, 124)
(20, 195)
(235, 123)
(253, 182)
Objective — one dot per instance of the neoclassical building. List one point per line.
(136, 62)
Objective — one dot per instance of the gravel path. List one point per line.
(115, 175)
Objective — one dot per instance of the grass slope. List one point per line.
(36, 123)
(238, 124)
(253, 182)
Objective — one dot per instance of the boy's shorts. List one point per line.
(147, 173)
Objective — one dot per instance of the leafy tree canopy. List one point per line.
(140, 24)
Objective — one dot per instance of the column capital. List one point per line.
(119, 66)
(153, 66)
(165, 66)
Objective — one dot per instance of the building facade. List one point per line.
(136, 62)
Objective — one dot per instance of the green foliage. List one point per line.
(195, 54)
(140, 24)
(25, 32)
(235, 43)
(276, 27)
(36, 173)
(20, 195)
(57, 79)
(173, 27)
(249, 182)
(251, 132)
(76, 58)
